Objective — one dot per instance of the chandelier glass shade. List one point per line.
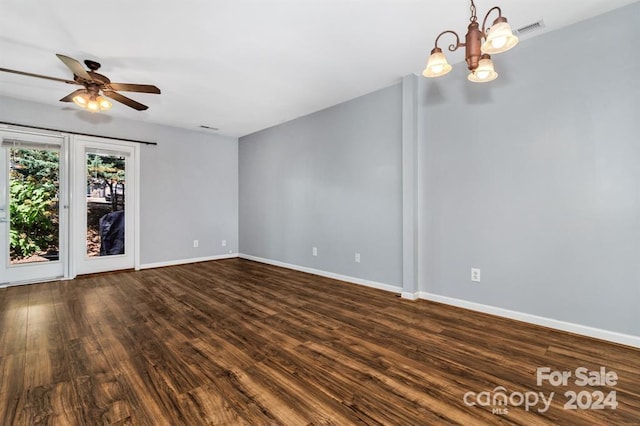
(500, 38)
(497, 39)
(437, 64)
(485, 71)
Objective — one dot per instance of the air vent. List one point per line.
(208, 127)
(530, 28)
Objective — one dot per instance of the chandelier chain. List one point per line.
(473, 18)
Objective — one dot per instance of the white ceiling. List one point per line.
(243, 65)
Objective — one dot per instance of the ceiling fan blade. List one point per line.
(124, 87)
(39, 76)
(76, 67)
(70, 96)
(123, 99)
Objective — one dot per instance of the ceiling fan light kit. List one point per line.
(96, 86)
(497, 39)
(91, 102)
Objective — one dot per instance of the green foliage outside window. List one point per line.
(32, 223)
(33, 208)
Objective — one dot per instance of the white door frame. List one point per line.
(40, 271)
(79, 263)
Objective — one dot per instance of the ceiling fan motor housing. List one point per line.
(92, 65)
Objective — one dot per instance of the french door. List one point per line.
(68, 206)
(104, 205)
(33, 207)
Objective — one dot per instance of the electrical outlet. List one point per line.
(314, 251)
(224, 243)
(475, 275)
(357, 257)
(196, 243)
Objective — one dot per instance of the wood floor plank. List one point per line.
(95, 383)
(11, 387)
(236, 342)
(292, 390)
(208, 405)
(13, 341)
(44, 364)
(231, 398)
(272, 403)
(13, 320)
(53, 404)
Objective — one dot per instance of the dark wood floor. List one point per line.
(237, 342)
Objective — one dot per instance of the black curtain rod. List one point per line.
(78, 133)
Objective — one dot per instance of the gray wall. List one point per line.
(535, 178)
(331, 180)
(189, 181)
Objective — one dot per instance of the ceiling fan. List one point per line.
(94, 84)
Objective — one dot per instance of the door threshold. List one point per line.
(27, 282)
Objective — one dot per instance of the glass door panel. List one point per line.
(34, 207)
(105, 204)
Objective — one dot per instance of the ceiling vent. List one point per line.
(527, 29)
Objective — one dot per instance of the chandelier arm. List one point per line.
(452, 47)
(484, 22)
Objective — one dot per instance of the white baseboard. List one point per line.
(368, 283)
(611, 336)
(184, 261)
(410, 296)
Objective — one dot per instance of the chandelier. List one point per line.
(497, 39)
